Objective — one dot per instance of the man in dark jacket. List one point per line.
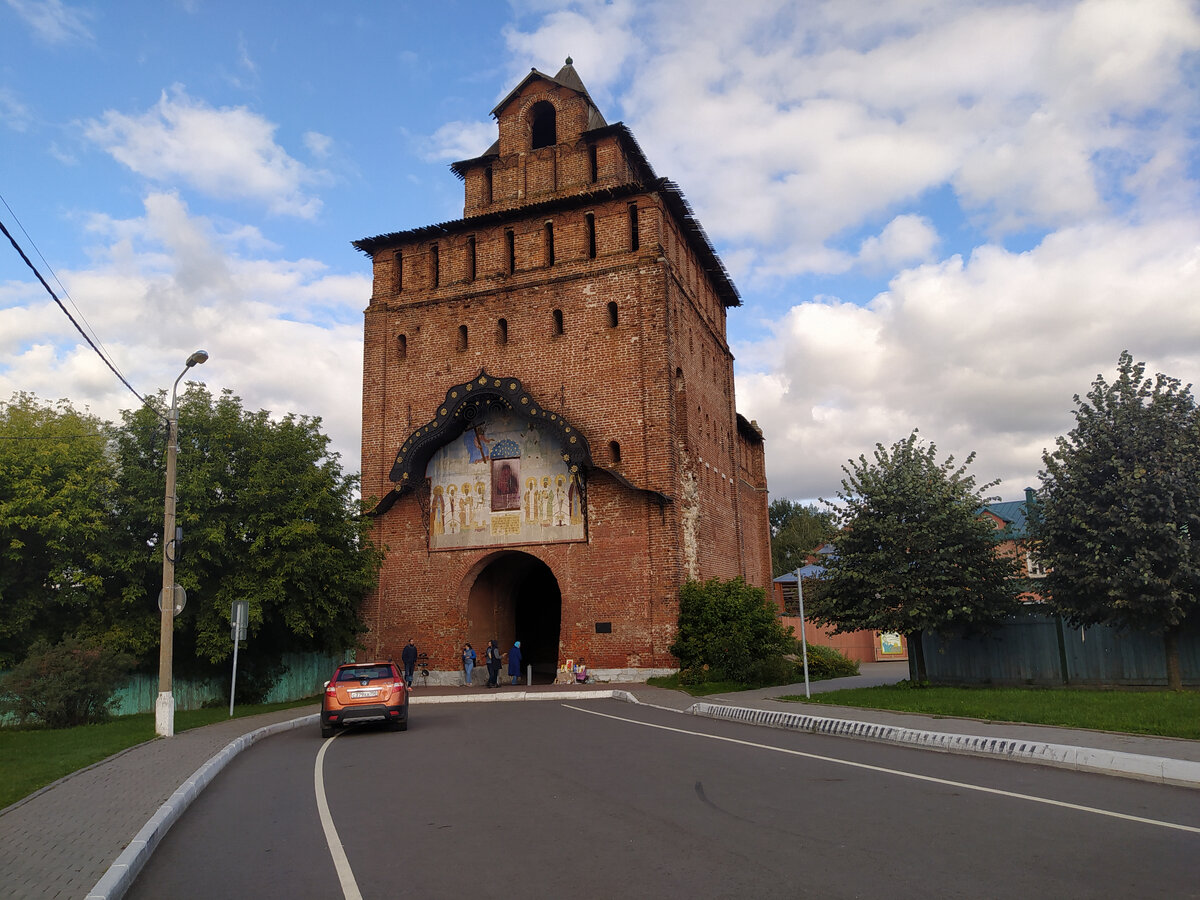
(493, 664)
(409, 657)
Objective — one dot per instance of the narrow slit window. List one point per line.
(487, 185)
(510, 241)
(434, 265)
(679, 381)
(502, 332)
(558, 321)
(471, 258)
(548, 238)
(398, 270)
(612, 314)
(593, 165)
(402, 346)
(462, 337)
(634, 240)
(589, 221)
(614, 450)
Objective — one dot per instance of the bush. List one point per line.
(63, 685)
(728, 631)
(826, 662)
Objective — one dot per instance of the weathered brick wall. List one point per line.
(639, 362)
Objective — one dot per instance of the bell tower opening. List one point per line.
(515, 597)
(544, 128)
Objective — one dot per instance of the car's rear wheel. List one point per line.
(326, 730)
(400, 725)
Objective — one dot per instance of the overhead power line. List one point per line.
(67, 313)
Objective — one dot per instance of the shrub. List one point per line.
(727, 631)
(63, 685)
(826, 662)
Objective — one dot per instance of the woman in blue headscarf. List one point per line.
(514, 662)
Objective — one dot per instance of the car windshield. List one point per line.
(358, 673)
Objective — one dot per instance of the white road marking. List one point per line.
(340, 862)
(845, 762)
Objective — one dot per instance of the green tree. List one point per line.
(913, 553)
(268, 516)
(727, 629)
(1119, 508)
(796, 531)
(56, 492)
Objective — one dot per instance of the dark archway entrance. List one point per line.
(515, 597)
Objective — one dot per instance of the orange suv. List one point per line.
(365, 692)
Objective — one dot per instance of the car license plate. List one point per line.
(358, 695)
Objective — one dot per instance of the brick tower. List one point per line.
(549, 428)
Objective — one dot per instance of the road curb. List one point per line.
(121, 874)
(1176, 772)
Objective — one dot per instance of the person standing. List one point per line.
(408, 656)
(468, 662)
(493, 664)
(514, 662)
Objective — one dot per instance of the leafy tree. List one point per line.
(913, 552)
(268, 516)
(56, 489)
(727, 631)
(1120, 508)
(796, 531)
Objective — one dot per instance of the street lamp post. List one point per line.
(164, 708)
(803, 630)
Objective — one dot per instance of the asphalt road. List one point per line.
(587, 800)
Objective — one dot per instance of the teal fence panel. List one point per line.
(1026, 649)
(1103, 655)
(141, 693)
(305, 677)
(1022, 650)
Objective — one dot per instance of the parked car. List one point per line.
(365, 692)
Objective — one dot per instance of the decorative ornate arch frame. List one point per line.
(463, 404)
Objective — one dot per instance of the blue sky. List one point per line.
(948, 216)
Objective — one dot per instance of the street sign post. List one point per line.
(239, 617)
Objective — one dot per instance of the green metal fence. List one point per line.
(305, 675)
(1037, 647)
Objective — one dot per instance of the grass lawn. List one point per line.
(1161, 713)
(31, 758)
(700, 690)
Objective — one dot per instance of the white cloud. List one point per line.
(53, 21)
(319, 145)
(167, 283)
(981, 354)
(600, 36)
(229, 153)
(790, 124)
(13, 113)
(905, 239)
(459, 140)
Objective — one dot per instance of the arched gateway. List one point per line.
(512, 596)
(538, 470)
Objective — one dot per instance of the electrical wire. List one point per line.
(12, 240)
(49, 268)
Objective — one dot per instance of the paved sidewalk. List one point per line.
(60, 841)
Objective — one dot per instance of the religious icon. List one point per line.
(506, 484)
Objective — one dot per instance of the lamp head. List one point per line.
(198, 357)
